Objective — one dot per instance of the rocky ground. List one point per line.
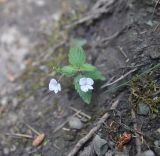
(124, 38)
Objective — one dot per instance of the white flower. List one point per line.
(54, 86)
(86, 84)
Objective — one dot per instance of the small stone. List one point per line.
(56, 16)
(4, 101)
(75, 123)
(143, 109)
(157, 143)
(146, 153)
(6, 151)
(109, 153)
(155, 54)
(28, 149)
(100, 145)
(150, 23)
(158, 130)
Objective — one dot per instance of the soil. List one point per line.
(30, 102)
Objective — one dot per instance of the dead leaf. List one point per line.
(38, 140)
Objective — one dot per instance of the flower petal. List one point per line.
(52, 87)
(53, 81)
(89, 87)
(90, 81)
(84, 88)
(56, 91)
(59, 87)
(83, 81)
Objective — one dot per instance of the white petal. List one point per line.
(56, 91)
(89, 87)
(90, 81)
(83, 81)
(59, 87)
(84, 88)
(53, 81)
(52, 87)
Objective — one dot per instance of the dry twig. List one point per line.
(19, 135)
(101, 7)
(138, 142)
(119, 79)
(82, 141)
(31, 128)
(80, 112)
(65, 122)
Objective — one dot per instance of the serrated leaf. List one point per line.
(86, 96)
(87, 67)
(68, 70)
(95, 75)
(77, 56)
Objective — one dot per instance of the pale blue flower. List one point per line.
(54, 86)
(86, 84)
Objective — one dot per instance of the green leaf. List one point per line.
(68, 70)
(86, 96)
(77, 56)
(95, 75)
(87, 67)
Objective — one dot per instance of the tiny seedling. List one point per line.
(83, 74)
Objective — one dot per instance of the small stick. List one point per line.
(123, 53)
(82, 141)
(95, 12)
(138, 142)
(119, 79)
(80, 112)
(156, 27)
(35, 131)
(61, 125)
(155, 8)
(19, 135)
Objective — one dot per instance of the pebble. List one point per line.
(147, 153)
(143, 109)
(75, 123)
(157, 143)
(4, 101)
(6, 151)
(158, 130)
(155, 54)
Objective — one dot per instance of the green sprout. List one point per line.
(83, 74)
